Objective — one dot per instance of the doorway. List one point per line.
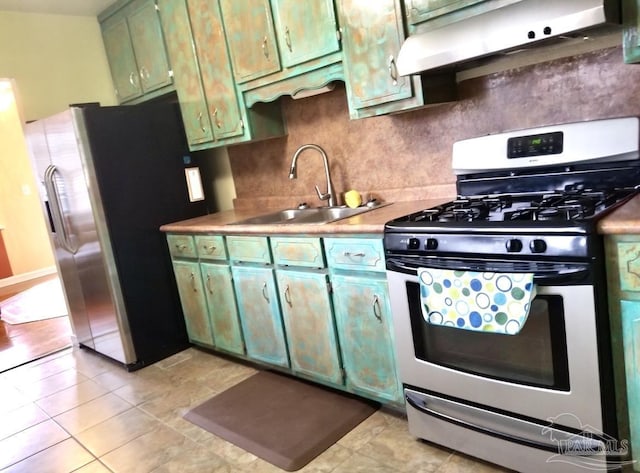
(25, 236)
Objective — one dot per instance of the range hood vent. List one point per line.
(502, 29)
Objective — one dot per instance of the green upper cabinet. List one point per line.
(204, 82)
(212, 109)
(423, 10)
(193, 104)
(631, 31)
(251, 38)
(306, 30)
(280, 47)
(373, 33)
(135, 49)
(215, 69)
(423, 15)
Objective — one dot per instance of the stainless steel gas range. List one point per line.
(540, 396)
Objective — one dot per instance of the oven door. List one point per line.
(548, 370)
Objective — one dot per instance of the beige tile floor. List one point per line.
(76, 412)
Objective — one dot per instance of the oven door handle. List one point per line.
(504, 427)
(561, 273)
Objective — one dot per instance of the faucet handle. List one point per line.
(322, 196)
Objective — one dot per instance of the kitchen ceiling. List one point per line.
(57, 7)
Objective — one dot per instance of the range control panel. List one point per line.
(483, 245)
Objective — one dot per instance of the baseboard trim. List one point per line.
(20, 282)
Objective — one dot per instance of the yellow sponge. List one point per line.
(353, 199)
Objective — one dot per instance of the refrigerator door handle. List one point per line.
(56, 209)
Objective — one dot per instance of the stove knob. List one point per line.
(538, 246)
(431, 244)
(413, 244)
(514, 246)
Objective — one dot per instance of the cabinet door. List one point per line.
(193, 301)
(193, 106)
(215, 68)
(309, 325)
(423, 10)
(260, 314)
(363, 317)
(222, 307)
(251, 38)
(372, 36)
(122, 61)
(631, 31)
(306, 30)
(148, 46)
(631, 342)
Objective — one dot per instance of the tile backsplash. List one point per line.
(408, 156)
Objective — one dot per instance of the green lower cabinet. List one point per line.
(260, 314)
(363, 318)
(192, 298)
(631, 343)
(309, 325)
(223, 312)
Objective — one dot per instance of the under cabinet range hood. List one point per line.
(507, 27)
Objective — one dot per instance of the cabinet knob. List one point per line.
(376, 308)
(287, 296)
(264, 292)
(287, 38)
(393, 70)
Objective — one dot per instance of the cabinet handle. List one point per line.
(287, 296)
(209, 284)
(132, 80)
(348, 254)
(377, 313)
(181, 248)
(265, 50)
(200, 123)
(144, 74)
(193, 282)
(393, 70)
(264, 292)
(287, 38)
(209, 249)
(216, 119)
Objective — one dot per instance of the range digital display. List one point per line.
(535, 145)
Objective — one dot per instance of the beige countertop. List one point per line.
(371, 222)
(624, 220)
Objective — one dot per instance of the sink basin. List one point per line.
(316, 215)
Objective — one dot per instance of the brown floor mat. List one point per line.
(283, 420)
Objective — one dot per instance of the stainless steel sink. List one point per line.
(313, 216)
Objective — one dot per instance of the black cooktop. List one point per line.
(569, 205)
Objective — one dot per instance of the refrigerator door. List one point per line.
(36, 136)
(84, 255)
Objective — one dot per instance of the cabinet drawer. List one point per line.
(182, 246)
(355, 253)
(629, 265)
(297, 252)
(249, 248)
(211, 247)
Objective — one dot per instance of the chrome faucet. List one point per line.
(330, 194)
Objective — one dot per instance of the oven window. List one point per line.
(536, 356)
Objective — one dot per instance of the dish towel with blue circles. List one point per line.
(485, 302)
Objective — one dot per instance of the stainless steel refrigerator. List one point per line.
(110, 177)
